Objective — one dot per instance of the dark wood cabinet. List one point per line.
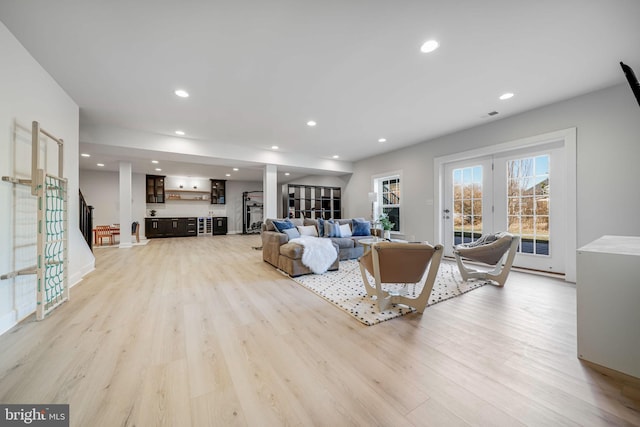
(309, 201)
(191, 227)
(177, 227)
(218, 191)
(154, 227)
(219, 225)
(170, 227)
(155, 189)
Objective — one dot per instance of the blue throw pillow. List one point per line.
(335, 230)
(320, 227)
(292, 233)
(331, 228)
(361, 227)
(283, 225)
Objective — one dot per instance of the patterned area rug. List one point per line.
(345, 290)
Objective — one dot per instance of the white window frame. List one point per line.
(376, 185)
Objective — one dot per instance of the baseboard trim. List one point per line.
(630, 384)
(15, 316)
(8, 321)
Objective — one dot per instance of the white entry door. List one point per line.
(531, 204)
(520, 191)
(468, 201)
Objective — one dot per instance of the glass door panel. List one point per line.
(466, 195)
(526, 205)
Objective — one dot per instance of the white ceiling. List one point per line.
(258, 70)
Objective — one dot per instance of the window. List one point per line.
(388, 190)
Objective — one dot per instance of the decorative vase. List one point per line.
(387, 234)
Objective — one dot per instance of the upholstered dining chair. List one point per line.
(493, 250)
(103, 232)
(401, 263)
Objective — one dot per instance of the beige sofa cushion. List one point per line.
(292, 250)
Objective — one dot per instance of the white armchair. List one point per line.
(495, 250)
(402, 263)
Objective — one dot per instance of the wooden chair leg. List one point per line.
(384, 298)
(421, 301)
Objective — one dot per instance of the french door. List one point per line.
(468, 201)
(520, 191)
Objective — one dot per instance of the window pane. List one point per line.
(513, 206)
(542, 165)
(477, 207)
(514, 224)
(527, 245)
(457, 237)
(513, 188)
(542, 205)
(477, 225)
(526, 225)
(457, 192)
(542, 247)
(457, 176)
(542, 226)
(526, 205)
(466, 210)
(477, 175)
(394, 216)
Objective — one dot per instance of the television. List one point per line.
(633, 81)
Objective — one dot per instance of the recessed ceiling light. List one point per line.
(382, 140)
(429, 46)
(182, 93)
(100, 164)
(180, 132)
(274, 147)
(287, 174)
(85, 155)
(335, 156)
(158, 170)
(155, 162)
(311, 123)
(227, 174)
(236, 169)
(506, 96)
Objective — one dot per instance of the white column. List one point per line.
(270, 189)
(125, 204)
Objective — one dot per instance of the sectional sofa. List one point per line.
(277, 251)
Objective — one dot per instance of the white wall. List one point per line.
(28, 94)
(100, 189)
(608, 149)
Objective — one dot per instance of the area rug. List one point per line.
(344, 289)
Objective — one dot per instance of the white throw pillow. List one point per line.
(345, 230)
(308, 230)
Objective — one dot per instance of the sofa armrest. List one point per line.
(271, 242)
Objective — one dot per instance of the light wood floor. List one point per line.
(200, 331)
